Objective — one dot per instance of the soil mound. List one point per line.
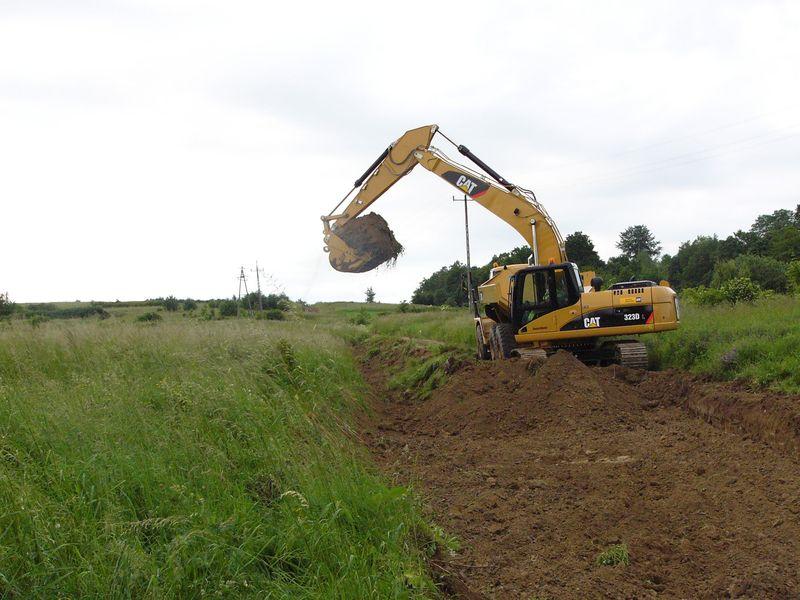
(373, 241)
(539, 470)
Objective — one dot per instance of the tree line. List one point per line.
(265, 306)
(765, 257)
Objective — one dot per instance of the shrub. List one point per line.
(793, 274)
(403, 307)
(36, 320)
(171, 303)
(51, 311)
(271, 314)
(741, 289)
(228, 308)
(361, 318)
(149, 317)
(279, 301)
(768, 273)
(189, 304)
(703, 296)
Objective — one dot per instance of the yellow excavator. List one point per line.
(531, 309)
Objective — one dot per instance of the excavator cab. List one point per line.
(540, 290)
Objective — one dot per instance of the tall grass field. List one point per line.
(193, 459)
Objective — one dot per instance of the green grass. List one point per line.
(450, 325)
(757, 342)
(415, 367)
(614, 555)
(189, 459)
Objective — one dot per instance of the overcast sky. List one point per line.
(151, 148)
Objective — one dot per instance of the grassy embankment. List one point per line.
(417, 360)
(193, 459)
(757, 342)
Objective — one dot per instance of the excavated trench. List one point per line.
(539, 469)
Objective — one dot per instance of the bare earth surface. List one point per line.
(537, 471)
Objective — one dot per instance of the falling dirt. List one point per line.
(372, 240)
(537, 470)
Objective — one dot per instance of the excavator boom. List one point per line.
(361, 244)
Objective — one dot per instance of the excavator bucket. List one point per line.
(362, 244)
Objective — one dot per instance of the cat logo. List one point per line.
(589, 322)
(466, 184)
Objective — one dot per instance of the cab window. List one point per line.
(543, 292)
(564, 295)
(535, 296)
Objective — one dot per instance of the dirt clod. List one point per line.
(552, 465)
(372, 240)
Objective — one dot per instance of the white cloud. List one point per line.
(149, 148)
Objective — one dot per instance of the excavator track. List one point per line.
(523, 352)
(631, 354)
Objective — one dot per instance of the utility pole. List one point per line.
(258, 284)
(470, 298)
(243, 282)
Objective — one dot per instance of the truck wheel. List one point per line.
(502, 341)
(483, 352)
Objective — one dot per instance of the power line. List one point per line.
(758, 117)
(687, 158)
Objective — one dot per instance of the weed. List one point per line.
(614, 555)
(360, 318)
(149, 317)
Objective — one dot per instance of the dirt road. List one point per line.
(537, 471)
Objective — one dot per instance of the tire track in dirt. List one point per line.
(537, 471)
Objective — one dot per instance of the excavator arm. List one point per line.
(352, 249)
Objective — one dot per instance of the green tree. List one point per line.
(189, 304)
(581, 251)
(277, 302)
(7, 307)
(171, 304)
(642, 266)
(793, 274)
(444, 287)
(228, 308)
(765, 271)
(518, 255)
(765, 227)
(733, 245)
(784, 244)
(370, 295)
(637, 239)
(693, 265)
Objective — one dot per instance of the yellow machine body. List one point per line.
(514, 322)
